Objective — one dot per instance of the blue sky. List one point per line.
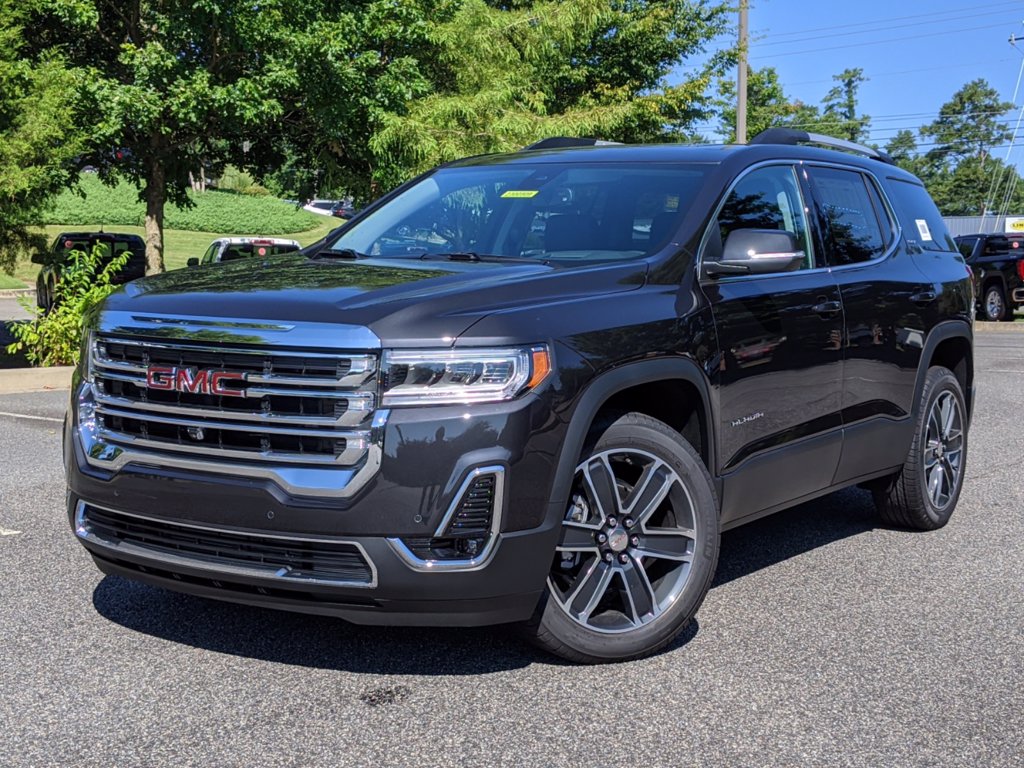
(916, 54)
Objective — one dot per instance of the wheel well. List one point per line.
(956, 355)
(675, 402)
(993, 281)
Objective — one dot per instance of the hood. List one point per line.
(404, 302)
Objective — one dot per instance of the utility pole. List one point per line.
(741, 78)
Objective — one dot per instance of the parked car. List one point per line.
(345, 209)
(322, 207)
(232, 248)
(997, 263)
(113, 243)
(451, 416)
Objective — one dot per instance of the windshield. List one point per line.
(549, 212)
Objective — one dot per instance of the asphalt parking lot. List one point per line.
(826, 640)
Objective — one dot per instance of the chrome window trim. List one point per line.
(896, 228)
(468, 564)
(281, 574)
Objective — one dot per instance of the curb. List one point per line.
(11, 293)
(15, 380)
(985, 327)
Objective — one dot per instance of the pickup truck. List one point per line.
(997, 263)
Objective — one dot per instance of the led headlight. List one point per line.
(453, 376)
(85, 355)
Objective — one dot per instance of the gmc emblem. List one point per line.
(171, 378)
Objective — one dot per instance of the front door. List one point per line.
(778, 378)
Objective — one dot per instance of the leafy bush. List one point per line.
(225, 213)
(54, 338)
(235, 180)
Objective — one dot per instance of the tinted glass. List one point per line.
(850, 207)
(921, 220)
(549, 212)
(768, 198)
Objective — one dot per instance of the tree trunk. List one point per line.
(156, 195)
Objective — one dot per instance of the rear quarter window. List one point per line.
(921, 220)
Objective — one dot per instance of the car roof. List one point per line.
(262, 240)
(98, 235)
(740, 154)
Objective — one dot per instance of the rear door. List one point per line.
(778, 375)
(886, 300)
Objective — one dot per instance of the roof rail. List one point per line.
(557, 142)
(792, 136)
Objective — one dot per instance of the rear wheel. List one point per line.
(993, 306)
(925, 492)
(638, 548)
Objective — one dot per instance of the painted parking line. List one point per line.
(32, 418)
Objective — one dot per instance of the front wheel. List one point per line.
(638, 549)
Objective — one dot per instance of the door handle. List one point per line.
(924, 297)
(827, 308)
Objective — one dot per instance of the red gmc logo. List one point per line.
(171, 378)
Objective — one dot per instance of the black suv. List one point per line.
(113, 243)
(997, 262)
(532, 388)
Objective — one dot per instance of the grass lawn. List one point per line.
(6, 281)
(179, 246)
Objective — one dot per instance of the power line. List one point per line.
(875, 75)
(881, 42)
(877, 22)
(760, 45)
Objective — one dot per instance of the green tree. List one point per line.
(768, 106)
(38, 138)
(969, 124)
(506, 74)
(171, 87)
(839, 116)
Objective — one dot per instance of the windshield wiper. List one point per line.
(473, 256)
(340, 253)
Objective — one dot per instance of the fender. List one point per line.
(599, 390)
(949, 329)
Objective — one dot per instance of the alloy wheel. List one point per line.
(628, 541)
(943, 454)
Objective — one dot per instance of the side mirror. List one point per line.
(193, 262)
(40, 257)
(757, 252)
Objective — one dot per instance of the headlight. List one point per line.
(453, 376)
(85, 357)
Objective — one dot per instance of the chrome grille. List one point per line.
(287, 406)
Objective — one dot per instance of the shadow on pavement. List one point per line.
(786, 534)
(327, 643)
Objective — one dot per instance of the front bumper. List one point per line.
(426, 457)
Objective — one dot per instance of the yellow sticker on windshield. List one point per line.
(520, 193)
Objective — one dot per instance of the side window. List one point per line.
(966, 247)
(851, 207)
(768, 198)
(922, 222)
(211, 254)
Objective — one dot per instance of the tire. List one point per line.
(993, 305)
(625, 588)
(923, 495)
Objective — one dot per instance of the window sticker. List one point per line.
(672, 203)
(520, 193)
(922, 227)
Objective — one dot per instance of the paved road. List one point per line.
(826, 640)
(10, 309)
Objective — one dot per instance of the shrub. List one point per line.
(226, 213)
(55, 338)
